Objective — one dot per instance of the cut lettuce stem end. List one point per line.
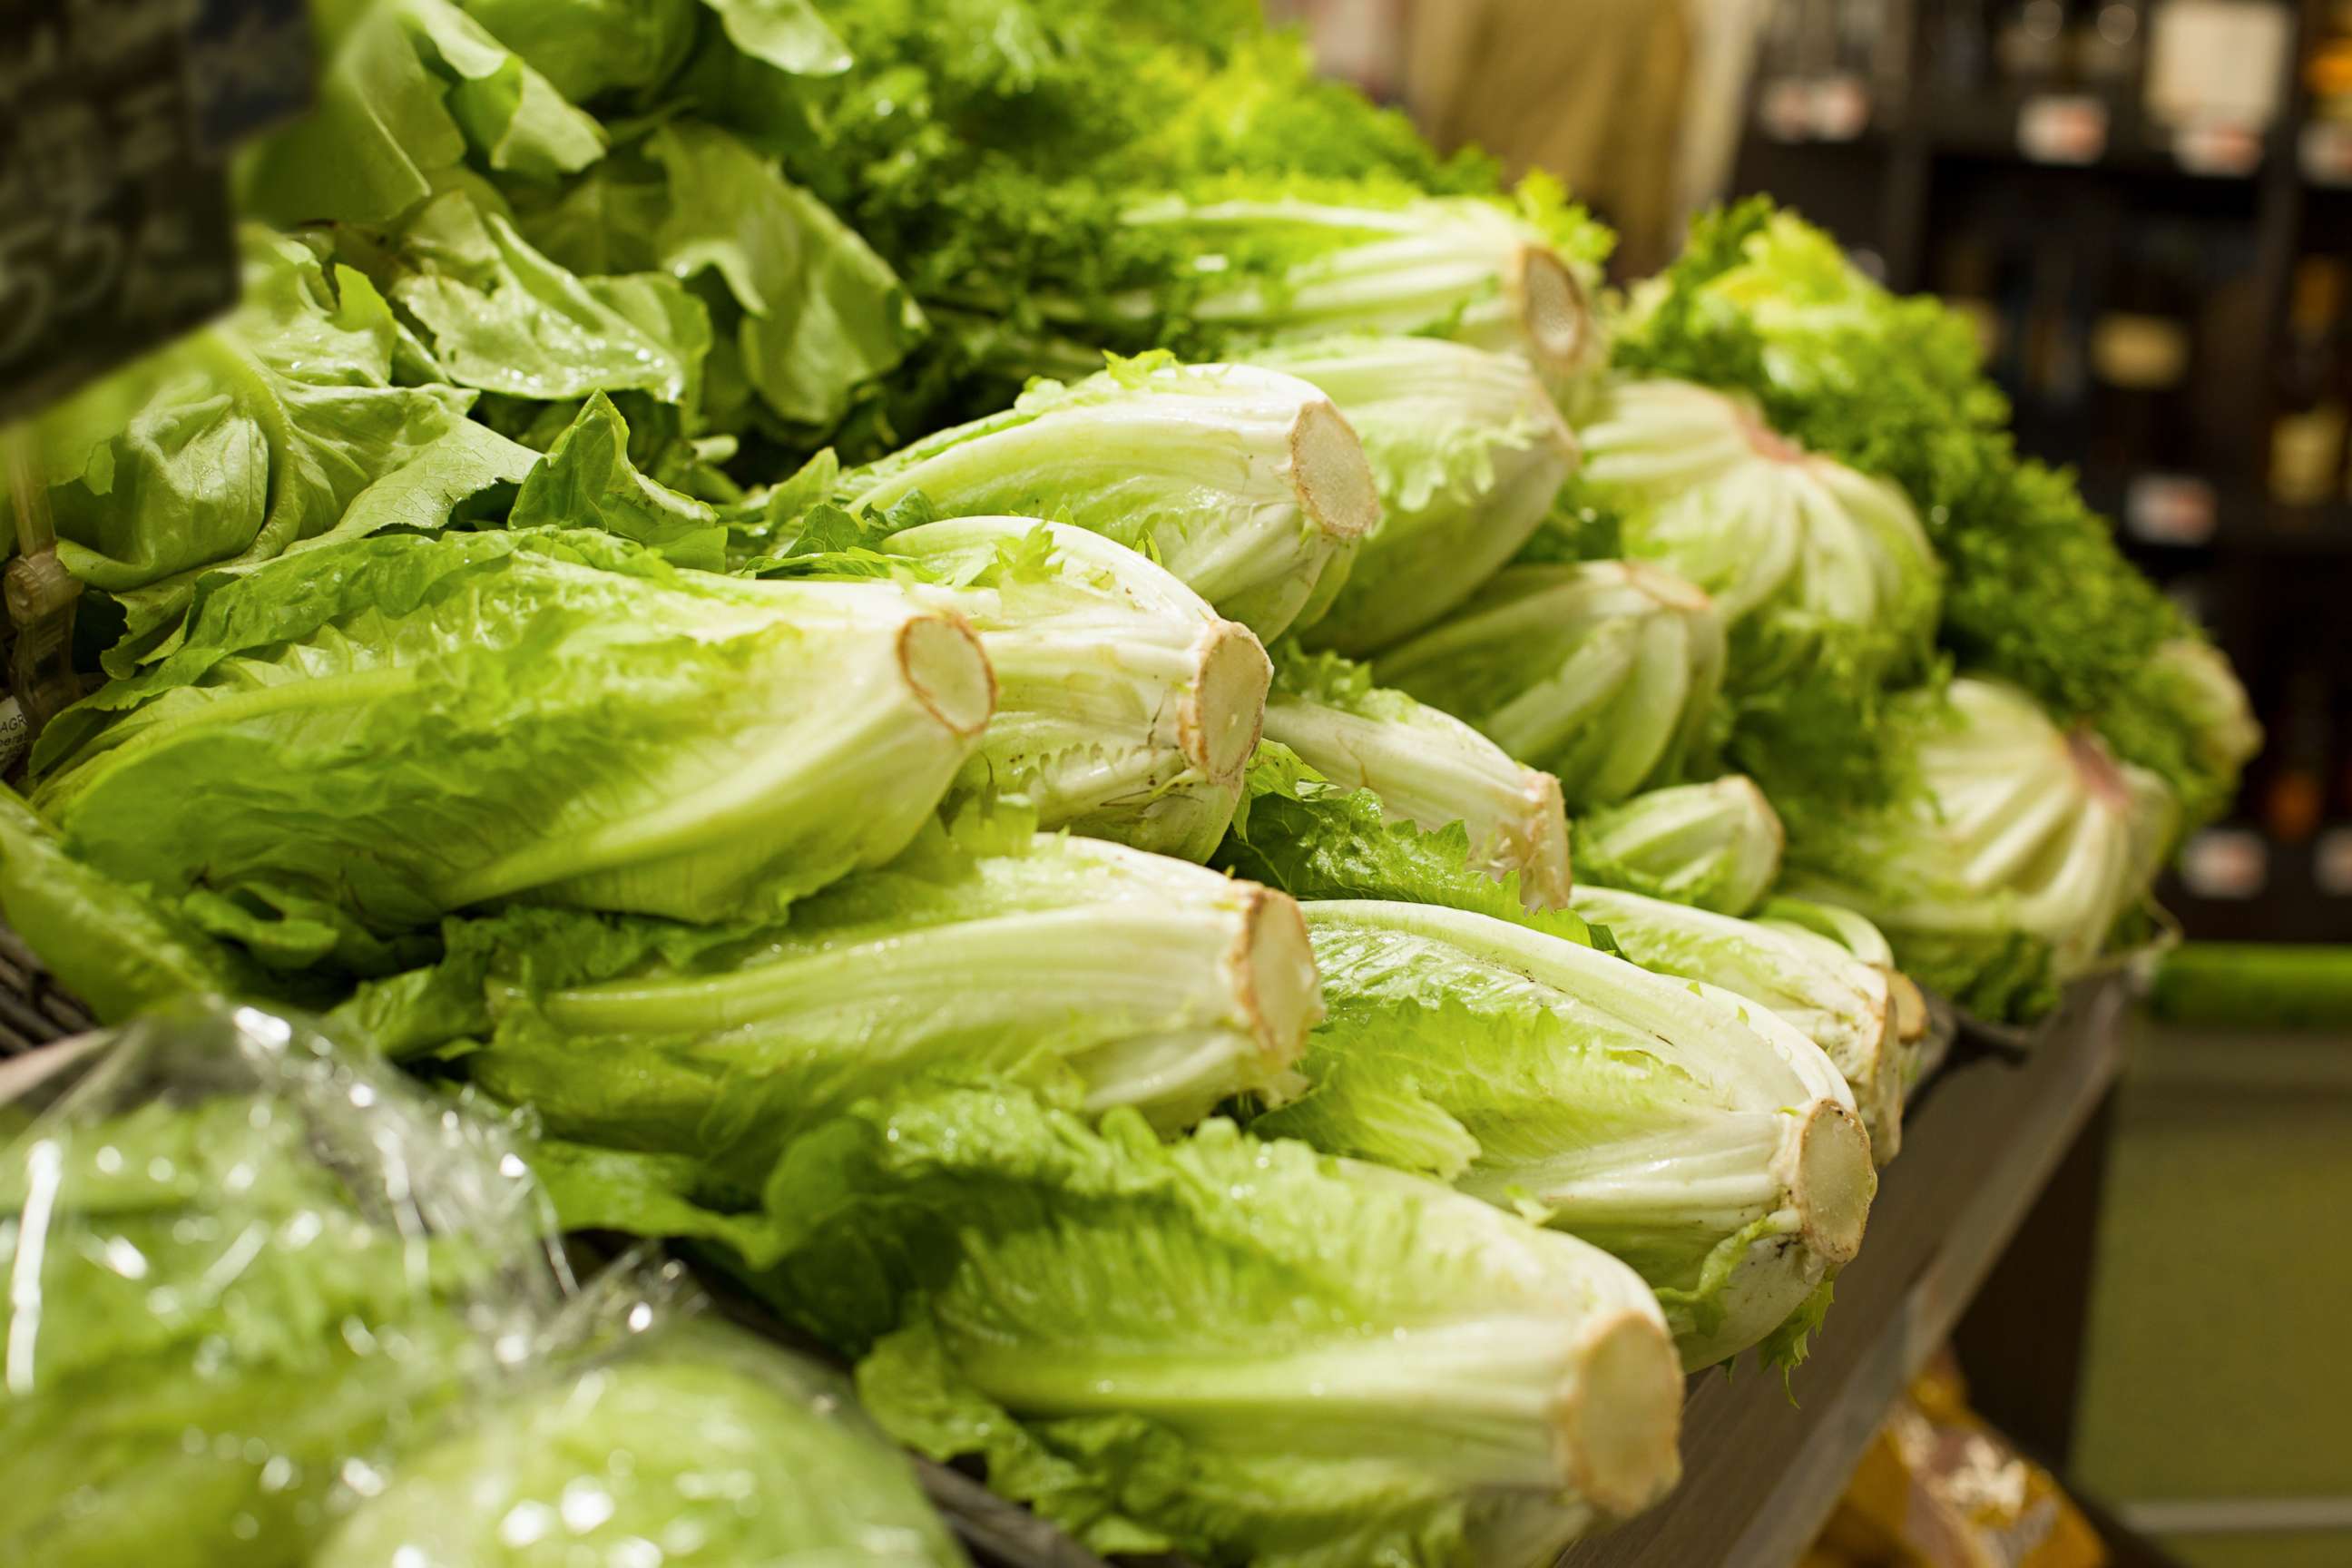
(944, 667)
(1553, 308)
(1831, 1179)
(1618, 1412)
(1274, 976)
(1329, 471)
(1223, 712)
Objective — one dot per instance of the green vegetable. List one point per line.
(1606, 674)
(1714, 846)
(2009, 876)
(1247, 484)
(245, 440)
(1468, 452)
(699, 1438)
(1136, 979)
(1126, 708)
(2036, 591)
(1917, 1049)
(1712, 1147)
(1427, 768)
(2240, 986)
(1834, 999)
(1231, 1348)
(358, 739)
(1819, 572)
(240, 1269)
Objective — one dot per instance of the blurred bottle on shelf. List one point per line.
(2031, 44)
(2294, 800)
(2307, 431)
(2141, 349)
(1960, 54)
(2108, 37)
(2217, 63)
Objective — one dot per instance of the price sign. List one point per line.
(115, 227)
(2062, 129)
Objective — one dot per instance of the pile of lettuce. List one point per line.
(1099, 726)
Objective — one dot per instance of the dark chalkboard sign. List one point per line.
(115, 118)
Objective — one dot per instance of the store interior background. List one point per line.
(2146, 206)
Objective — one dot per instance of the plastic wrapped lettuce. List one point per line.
(352, 740)
(1468, 450)
(656, 1435)
(1822, 573)
(1233, 1348)
(1715, 846)
(1136, 980)
(1427, 768)
(244, 1270)
(1606, 674)
(1247, 484)
(1126, 708)
(1688, 1131)
(1842, 1004)
(2009, 872)
(272, 1304)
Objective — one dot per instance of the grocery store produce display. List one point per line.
(1094, 726)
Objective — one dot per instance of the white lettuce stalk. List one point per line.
(1837, 1001)
(1809, 561)
(1715, 846)
(1314, 1363)
(1135, 979)
(2008, 872)
(1462, 267)
(1856, 936)
(1428, 768)
(354, 739)
(1687, 1130)
(1247, 484)
(1127, 708)
(1469, 451)
(1604, 673)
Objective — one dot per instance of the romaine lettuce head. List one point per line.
(1126, 707)
(1228, 1347)
(2185, 715)
(1835, 1000)
(242, 1267)
(1247, 484)
(1915, 1047)
(358, 739)
(1691, 1133)
(248, 438)
(1468, 450)
(1715, 846)
(1427, 768)
(1604, 673)
(1130, 979)
(1373, 259)
(1821, 571)
(692, 1444)
(2009, 875)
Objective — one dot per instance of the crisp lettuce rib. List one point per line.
(1134, 979)
(1127, 708)
(1469, 452)
(1689, 1131)
(1715, 846)
(1247, 484)
(1835, 1000)
(1605, 673)
(1427, 767)
(1229, 1347)
(358, 739)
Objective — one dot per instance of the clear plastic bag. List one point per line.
(270, 1304)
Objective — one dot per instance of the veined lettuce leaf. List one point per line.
(358, 739)
(1229, 1347)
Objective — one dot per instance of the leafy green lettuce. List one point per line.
(1714, 846)
(358, 739)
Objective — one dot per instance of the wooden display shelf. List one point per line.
(1760, 1474)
